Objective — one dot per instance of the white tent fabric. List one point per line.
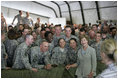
(107, 9)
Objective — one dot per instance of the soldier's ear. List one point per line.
(40, 45)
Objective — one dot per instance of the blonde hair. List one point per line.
(109, 47)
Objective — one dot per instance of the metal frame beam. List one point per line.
(69, 11)
(47, 7)
(58, 7)
(98, 11)
(82, 12)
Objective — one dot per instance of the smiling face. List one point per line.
(44, 46)
(68, 32)
(62, 43)
(84, 42)
(73, 44)
(98, 37)
(50, 37)
(58, 30)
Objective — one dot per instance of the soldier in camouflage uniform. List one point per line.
(40, 37)
(68, 36)
(10, 45)
(59, 53)
(57, 35)
(22, 38)
(49, 38)
(35, 38)
(3, 52)
(97, 47)
(40, 57)
(91, 37)
(21, 60)
(72, 52)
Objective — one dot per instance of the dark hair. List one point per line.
(20, 11)
(74, 40)
(11, 34)
(112, 28)
(43, 29)
(99, 33)
(73, 31)
(68, 27)
(94, 25)
(82, 30)
(47, 33)
(59, 40)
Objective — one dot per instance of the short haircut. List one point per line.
(20, 11)
(11, 34)
(68, 27)
(74, 40)
(94, 25)
(43, 29)
(27, 36)
(99, 33)
(43, 41)
(82, 30)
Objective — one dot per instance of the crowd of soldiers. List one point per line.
(28, 46)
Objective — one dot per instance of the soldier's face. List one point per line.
(34, 35)
(58, 30)
(45, 46)
(84, 42)
(62, 43)
(31, 40)
(42, 34)
(98, 37)
(50, 37)
(73, 44)
(68, 31)
(26, 31)
(94, 28)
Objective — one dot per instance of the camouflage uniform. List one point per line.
(71, 56)
(21, 60)
(38, 58)
(91, 41)
(58, 57)
(100, 65)
(67, 40)
(38, 42)
(21, 39)
(97, 47)
(3, 54)
(51, 46)
(10, 49)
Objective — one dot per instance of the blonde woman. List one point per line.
(109, 58)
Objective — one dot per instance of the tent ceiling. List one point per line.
(65, 8)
